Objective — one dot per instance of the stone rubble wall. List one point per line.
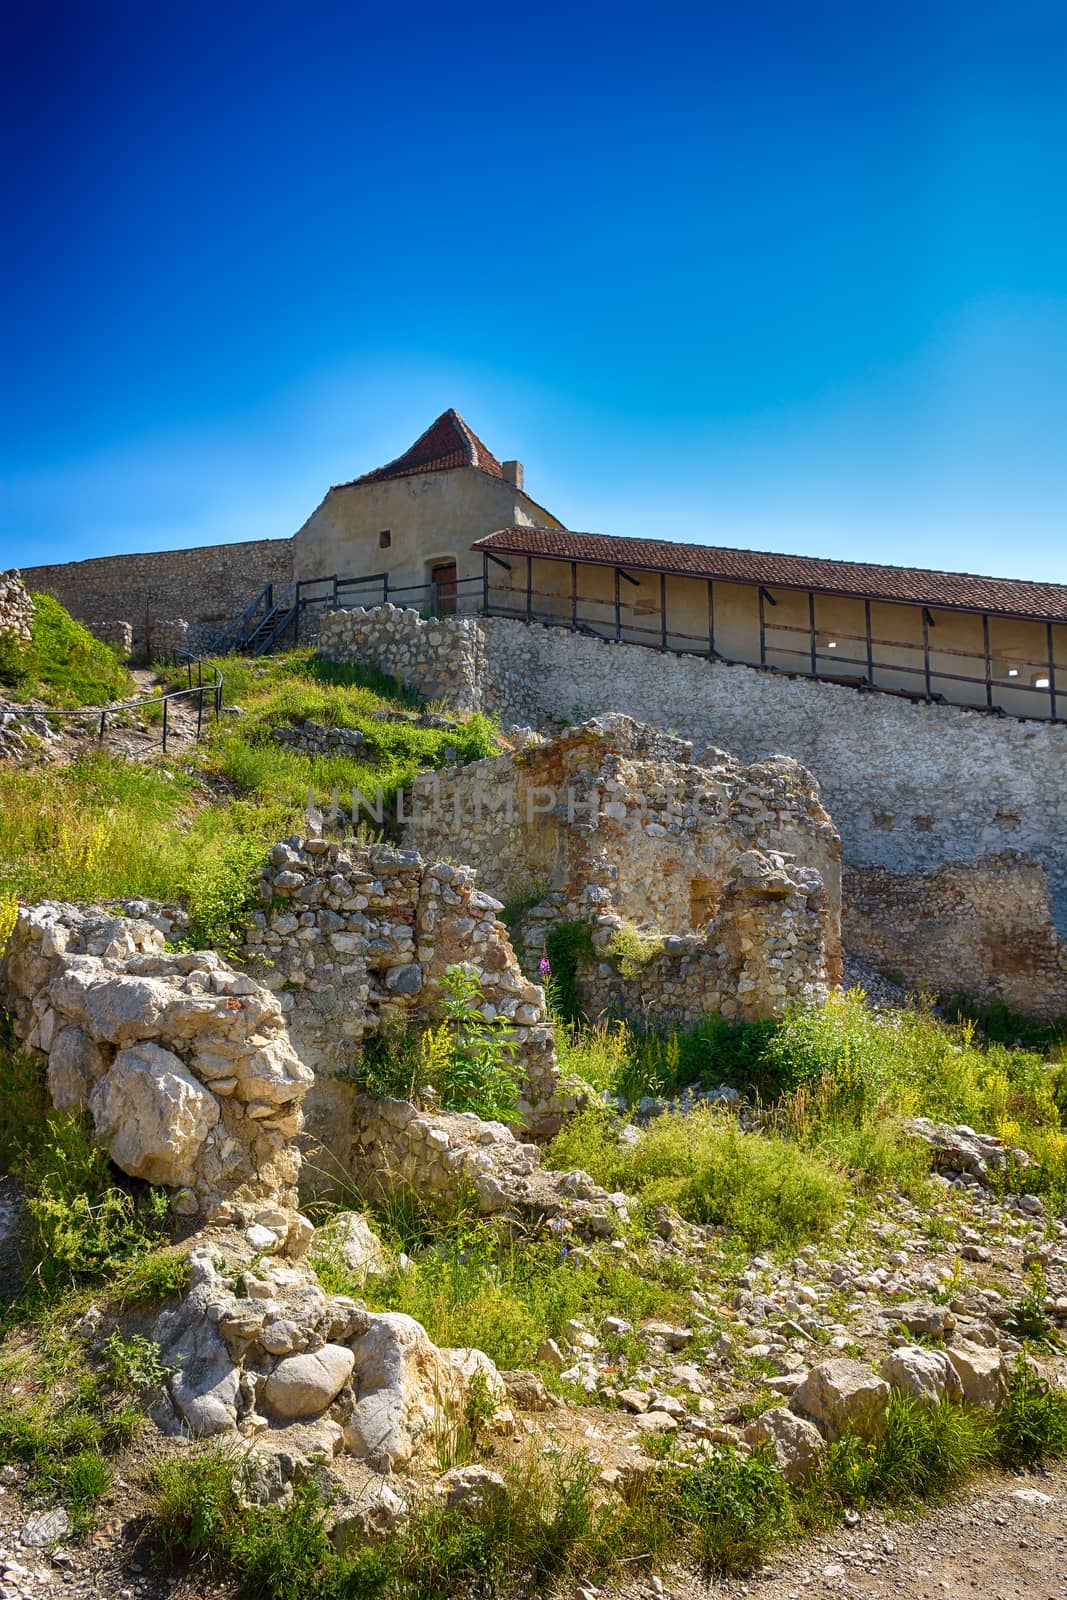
(16, 609)
(611, 824)
(984, 928)
(441, 659)
(354, 939)
(912, 787)
(117, 634)
(305, 737)
(448, 1158)
(208, 583)
(183, 1063)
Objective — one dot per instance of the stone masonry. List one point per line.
(611, 825)
(354, 939)
(912, 787)
(184, 1065)
(16, 609)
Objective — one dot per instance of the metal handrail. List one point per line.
(200, 689)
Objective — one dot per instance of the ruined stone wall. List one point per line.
(184, 1065)
(354, 938)
(911, 787)
(984, 929)
(610, 824)
(16, 609)
(203, 584)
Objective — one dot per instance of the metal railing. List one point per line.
(268, 622)
(203, 691)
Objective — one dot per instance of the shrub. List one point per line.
(566, 945)
(1032, 1425)
(730, 1511)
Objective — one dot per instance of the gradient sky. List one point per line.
(791, 276)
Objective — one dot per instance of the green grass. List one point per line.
(63, 664)
(555, 1527)
(759, 1186)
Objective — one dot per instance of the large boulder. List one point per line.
(152, 1115)
(982, 1374)
(924, 1375)
(304, 1385)
(843, 1396)
(797, 1445)
(409, 1393)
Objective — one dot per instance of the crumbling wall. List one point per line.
(354, 938)
(16, 609)
(912, 787)
(184, 1064)
(439, 658)
(610, 824)
(983, 929)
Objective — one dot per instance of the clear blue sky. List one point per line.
(784, 275)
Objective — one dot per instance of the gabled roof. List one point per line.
(962, 591)
(447, 443)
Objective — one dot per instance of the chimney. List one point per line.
(513, 472)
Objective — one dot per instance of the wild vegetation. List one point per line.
(816, 1150)
(63, 664)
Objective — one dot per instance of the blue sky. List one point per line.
(791, 276)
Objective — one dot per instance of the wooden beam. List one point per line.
(485, 583)
(988, 661)
(870, 642)
(927, 620)
(812, 635)
(574, 596)
(618, 610)
(529, 588)
(1051, 671)
(762, 631)
(663, 611)
(711, 617)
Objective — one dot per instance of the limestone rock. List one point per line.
(152, 1114)
(356, 1241)
(842, 1395)
(925, 1375)
(304, 1385)
(475, 1488)
(75, 1064)
(407, 1391)
(205, 1384)
(797, 1445)
(981, 1372)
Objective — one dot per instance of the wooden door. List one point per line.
(443, 578)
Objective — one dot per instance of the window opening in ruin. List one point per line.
(702, 902)
(385, 539)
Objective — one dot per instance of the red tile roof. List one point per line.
(916, 585)
(447, 443)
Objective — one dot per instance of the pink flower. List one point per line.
(544, 967)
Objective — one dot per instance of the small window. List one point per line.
(385, 539)
(1040, 680)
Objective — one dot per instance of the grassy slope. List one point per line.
(64, 665)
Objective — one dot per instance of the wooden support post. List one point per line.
(762, 630)
(529, 588)
(711, 617)
(926, 650)
(618, 609)
(485, 584)
(574, 596)
(663, 611)
(988, 661)
(1051, 672)
(812, 637)
(870, 642)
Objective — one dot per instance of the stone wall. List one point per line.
(450, 1158)
(184, 1065)
(16, 609)
(212, 582)
(441, 659)
(610, 824)
(354, 938)
(912, 787)
(984, 929)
